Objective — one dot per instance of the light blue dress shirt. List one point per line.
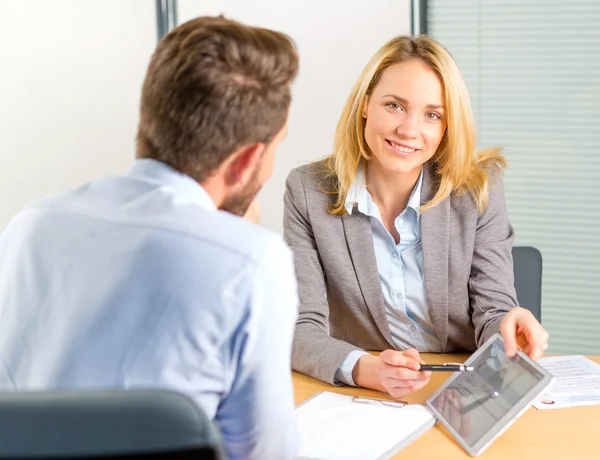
(400, 268)
(139, 281)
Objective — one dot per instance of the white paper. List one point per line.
(333, 427)
(576, 382)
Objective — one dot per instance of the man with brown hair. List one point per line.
(152, 279)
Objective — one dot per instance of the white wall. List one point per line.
(70, 81)
(335, 39)
(72, 70)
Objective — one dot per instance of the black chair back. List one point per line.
(127, 424)
(527, 262)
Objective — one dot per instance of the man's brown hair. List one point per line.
(214, 85)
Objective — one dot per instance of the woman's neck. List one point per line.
(390, 191)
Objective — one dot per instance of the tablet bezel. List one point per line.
(506, 420)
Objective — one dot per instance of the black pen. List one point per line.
(446, 367)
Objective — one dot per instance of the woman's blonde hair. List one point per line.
(457, 165)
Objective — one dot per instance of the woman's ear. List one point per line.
(365, 106)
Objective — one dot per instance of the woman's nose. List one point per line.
(408, 127)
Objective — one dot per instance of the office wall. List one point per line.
(72, 72)
(70, 78)
(335, 39)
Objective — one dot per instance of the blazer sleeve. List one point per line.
(491, 284)
(314, 351)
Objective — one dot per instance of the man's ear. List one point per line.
(243, 163)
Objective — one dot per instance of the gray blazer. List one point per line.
(467, 260)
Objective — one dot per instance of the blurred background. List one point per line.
(71, 73)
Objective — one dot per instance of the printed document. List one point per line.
(576, 382)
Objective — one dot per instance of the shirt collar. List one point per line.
(414, 201)
(357, 193)
(359, 196)
(162, 174)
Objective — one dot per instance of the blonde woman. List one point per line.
(401, 238)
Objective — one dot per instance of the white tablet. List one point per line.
(476, 407)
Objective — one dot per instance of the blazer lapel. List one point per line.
(357, 228)
(435, 238)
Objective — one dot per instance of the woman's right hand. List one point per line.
(394, 372)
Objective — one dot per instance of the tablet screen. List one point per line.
(479, 404)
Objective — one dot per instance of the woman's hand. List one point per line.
(519, 328)
(394, 372)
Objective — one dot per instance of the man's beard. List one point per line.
(239, 202)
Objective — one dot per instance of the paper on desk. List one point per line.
(332, 427)
(576, 382)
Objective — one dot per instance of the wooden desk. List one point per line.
(570, 434)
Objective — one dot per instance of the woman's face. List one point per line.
(405, 117)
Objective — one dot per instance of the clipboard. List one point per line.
(333, 426)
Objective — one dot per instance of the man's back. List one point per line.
(138, 281)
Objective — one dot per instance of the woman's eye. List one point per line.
(394, 105)
(433, 116)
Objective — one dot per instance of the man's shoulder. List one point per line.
(179, 228)
(216, 238)
(236, 235)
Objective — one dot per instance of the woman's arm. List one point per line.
(491, 285)
(314, 352)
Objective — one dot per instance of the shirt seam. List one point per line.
(157, 226)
